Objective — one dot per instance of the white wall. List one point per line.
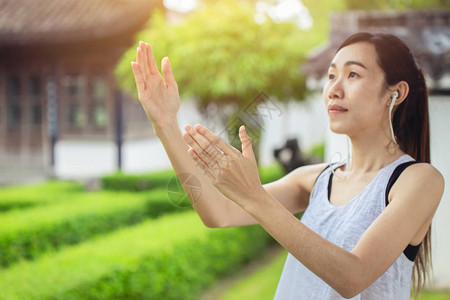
(84, 159)
(306, 121)
(440, 158)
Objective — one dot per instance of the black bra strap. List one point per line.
(321, 173)
(410, 251)
(398, 170)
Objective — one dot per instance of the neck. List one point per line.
(372, 153)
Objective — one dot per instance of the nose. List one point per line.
(335, 90)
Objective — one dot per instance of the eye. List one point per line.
(353, 75)
(331, 76)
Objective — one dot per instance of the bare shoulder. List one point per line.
(421, 180)
(306, 176)
(423, 174)
(293, 190)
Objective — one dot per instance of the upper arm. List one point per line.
(414, 200)
(293, 190)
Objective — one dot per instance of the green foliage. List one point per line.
(128, 182)
(221, 55)
(27, 233)
(271, 173)
(13, 197)
(173, 257)
(320, 12)
(318, 151)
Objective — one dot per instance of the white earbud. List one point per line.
(394, 97)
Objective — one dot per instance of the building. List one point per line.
(427, 33)
(57, 83)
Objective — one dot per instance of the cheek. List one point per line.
(325, 94)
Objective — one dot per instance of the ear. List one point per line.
(402, 88)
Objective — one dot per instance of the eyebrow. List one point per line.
(350, 62)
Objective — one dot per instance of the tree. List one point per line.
(222, 57)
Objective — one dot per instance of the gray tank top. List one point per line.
(344, 225)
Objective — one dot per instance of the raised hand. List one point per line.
(159, 98)
(233, 173)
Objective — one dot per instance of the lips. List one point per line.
(334, 109)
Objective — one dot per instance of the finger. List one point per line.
(199, 163)
(138, 77)
(247, 148)
(151, 59)
(205, 152)
(142, 62)
(146, 63)
(204, 143)
(215, 140)
(167, 72)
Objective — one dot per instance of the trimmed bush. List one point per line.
(271, 173)
(13, 197)
(29, 232)
(174, 257)
(126, 182)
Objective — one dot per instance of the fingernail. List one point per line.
(188, 127)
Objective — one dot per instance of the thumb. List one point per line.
(167, 72)
(247, 148)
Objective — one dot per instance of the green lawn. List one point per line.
(261, 285)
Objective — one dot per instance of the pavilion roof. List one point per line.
(43, 22)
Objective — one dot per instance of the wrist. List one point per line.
(259, 200)
(162, 128)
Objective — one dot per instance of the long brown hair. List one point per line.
(410, 121)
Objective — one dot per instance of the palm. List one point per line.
(161, 100)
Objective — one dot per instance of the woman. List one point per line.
(358, 238)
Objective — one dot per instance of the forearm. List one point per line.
(213, 207)
(336, 266)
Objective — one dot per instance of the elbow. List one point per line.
(350, 288)
(212, 223)
(348, 294)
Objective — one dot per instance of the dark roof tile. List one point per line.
(63, 21)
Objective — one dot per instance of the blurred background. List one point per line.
(75, 140)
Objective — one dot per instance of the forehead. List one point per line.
(362, 52)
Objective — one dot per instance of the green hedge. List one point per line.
(29, 232)
(128, 182)
(173, 257)
(13, 197)
(121, 181)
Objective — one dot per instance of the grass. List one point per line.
(260, 285)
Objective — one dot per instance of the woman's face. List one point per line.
(354, 94)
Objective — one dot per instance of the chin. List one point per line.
(335, 128)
